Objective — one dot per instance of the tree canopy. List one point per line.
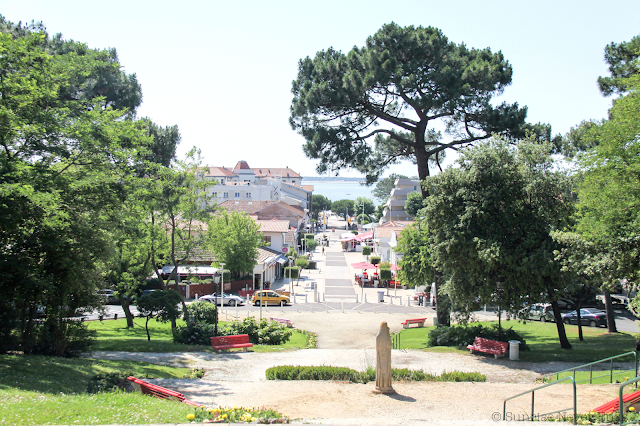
(622, 59)
(234, 238)
(491, 221)
(378, 104)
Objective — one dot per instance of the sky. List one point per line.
(222, 70)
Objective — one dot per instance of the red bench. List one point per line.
(159, 392)
(418, 321)
(630, 399)
(489, 346)
(239, 341)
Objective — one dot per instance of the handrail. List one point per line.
(621, 408)
(610, 359)
(532, 392)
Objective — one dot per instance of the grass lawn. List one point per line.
(542, 338)
(113, 335)
(37, 390)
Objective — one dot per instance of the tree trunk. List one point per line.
(562, 335)
(124, 302)
(442, 302)
(580, 336)
(146, 326)
(611, 319)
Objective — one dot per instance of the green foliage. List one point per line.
(463, 335)
(341, 206)
(302, 262)
(202, 312)
(319, 203)
(311, 245)
(338, 109)
(234, 238)
(161, 305)
(289, 372)
(623, 64)
(264, 332)
(291, 272)
(237, 415)
(375, 260)
(414, 203)
(417, 264)
(366, 250)
(63, 337)
(194, 333)
(108, 382)
(369, 207)
(385, 274)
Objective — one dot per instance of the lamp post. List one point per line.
(222, 287)
(216, 280)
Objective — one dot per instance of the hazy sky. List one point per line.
(222, 71)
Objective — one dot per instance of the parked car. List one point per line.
(227, 299)
(269, 297)
(108, 296)
(565, 304)
(616, 299)
(541, 312)
(588, 316)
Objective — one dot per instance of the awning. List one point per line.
(189, 270)
(282, 260)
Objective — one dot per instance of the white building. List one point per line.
(243, 183)
(394, 207)
(385, 240)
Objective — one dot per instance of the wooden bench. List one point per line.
(489, 346)
(282, 321)
(419, 321)
(159, 392)
(238, 341)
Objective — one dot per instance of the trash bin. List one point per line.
(514, 350)
(435, 320)
(380, 296)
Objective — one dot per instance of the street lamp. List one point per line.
(216, 280)
(222, 286)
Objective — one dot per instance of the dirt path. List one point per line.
(348, 340)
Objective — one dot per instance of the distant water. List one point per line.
(341, 190)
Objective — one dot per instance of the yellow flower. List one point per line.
(632, 408)
(210, 410)
(191, 416)
(224, 416)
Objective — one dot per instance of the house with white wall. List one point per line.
(383, 235)
(243, 183)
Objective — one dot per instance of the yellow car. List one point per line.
(267, 297)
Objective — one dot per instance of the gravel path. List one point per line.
(238, 378)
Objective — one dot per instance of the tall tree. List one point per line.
(491, 220)
(414, 203)
(609, 193)
(62, 162)
(234, 238)
(319, 203)
(379, 103)
(622, 59)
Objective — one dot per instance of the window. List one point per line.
(214, 194)
(225, 195)
(237, 195)
(248, 195)
(267, 239)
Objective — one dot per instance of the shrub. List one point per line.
(290, 372)
(366, 250)
(194, 334)
(109, 382)
(463, 335)
(293, 270)
(375, 260)
(63, 337)
(202, 312)
(264, 332)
